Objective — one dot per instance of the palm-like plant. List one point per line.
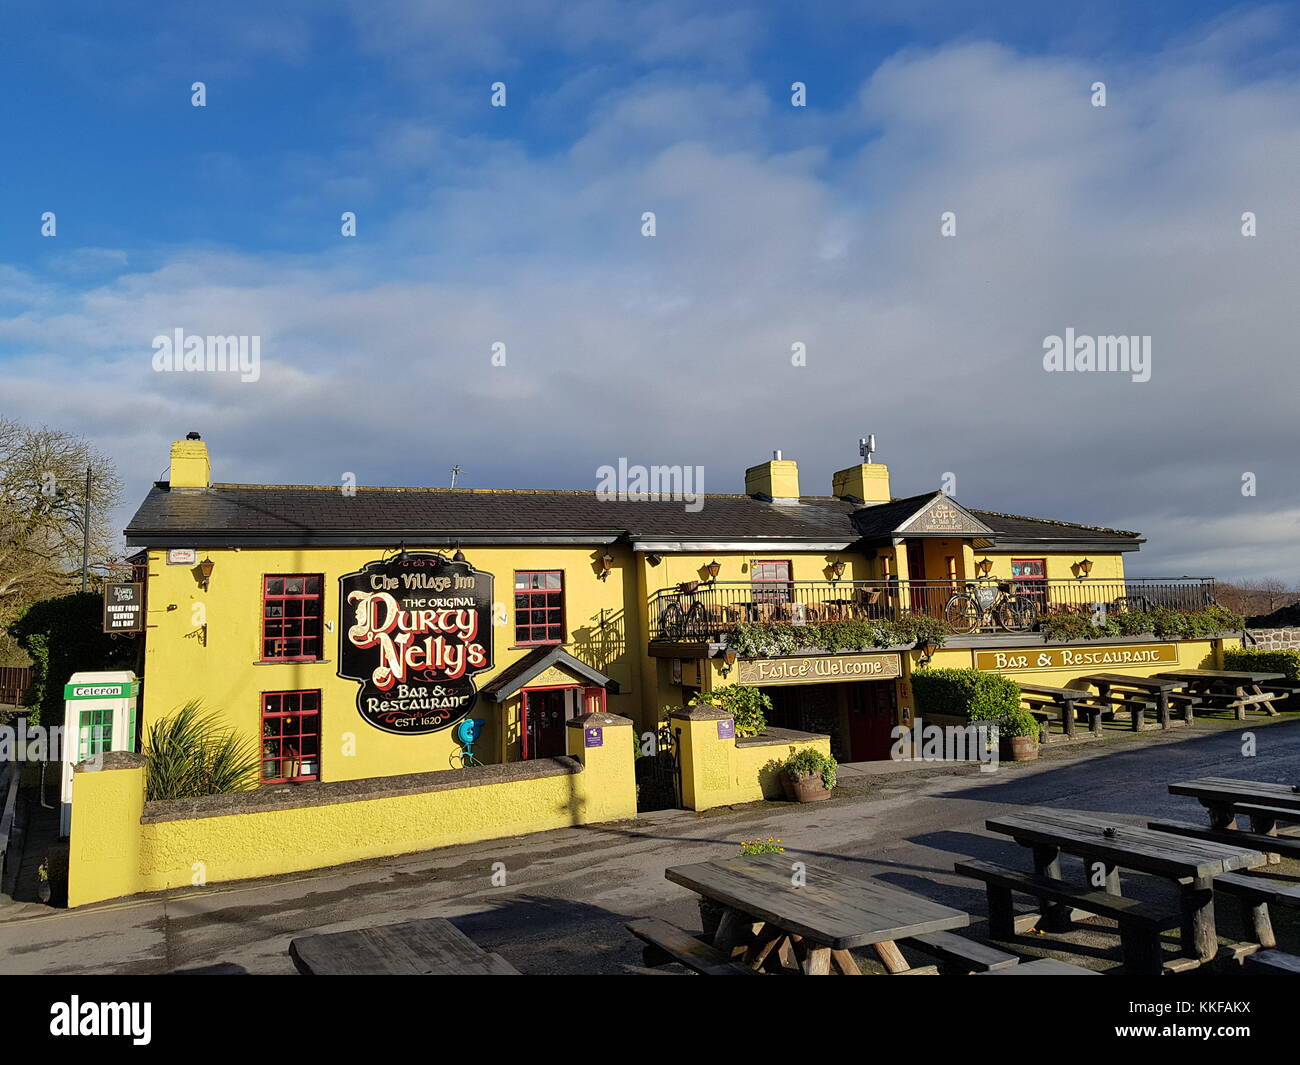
(192, 753)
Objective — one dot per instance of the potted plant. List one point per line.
(1018, 737)
(809, 775)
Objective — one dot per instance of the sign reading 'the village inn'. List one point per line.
(819, 669)
(415, 629)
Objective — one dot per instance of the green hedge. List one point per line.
(968, 693)
(775, 639)
(65, 636)
(1259, 660)
(1159, 621)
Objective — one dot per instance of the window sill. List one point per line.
(291, 661)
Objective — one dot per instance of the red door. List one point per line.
(915, 573)
(873, 713)
(544, 722)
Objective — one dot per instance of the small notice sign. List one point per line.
(124, 607)
(594, 736)
(727, 729)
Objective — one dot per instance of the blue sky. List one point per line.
(776, 225)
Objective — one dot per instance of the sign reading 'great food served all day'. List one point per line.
(415, 629)
(818, 669)
(1152, 654)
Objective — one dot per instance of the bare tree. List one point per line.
(42, 500)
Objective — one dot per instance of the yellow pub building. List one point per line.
(355, 631)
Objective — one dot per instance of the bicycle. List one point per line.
(999, 606)
(686, 615)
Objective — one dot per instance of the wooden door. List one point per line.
(918, 596)
(544, 720)
(873, 713)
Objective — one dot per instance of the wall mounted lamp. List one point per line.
(205, 571)
(606, 562)
(1085, 567)
(728, 660)
(927, 647)
(984, 565)
(713, 569)
(837, 569)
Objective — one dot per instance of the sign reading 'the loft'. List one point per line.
(818, 669)
(1145, 654)
(415, 629)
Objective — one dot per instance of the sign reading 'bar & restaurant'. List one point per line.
(1145, 654)
(818, 669)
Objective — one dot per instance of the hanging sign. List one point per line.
(415, 630)
(124, 607)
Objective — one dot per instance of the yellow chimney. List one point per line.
(190, 465)
(778, 479)
(868, 482)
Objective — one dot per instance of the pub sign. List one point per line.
(415, 629)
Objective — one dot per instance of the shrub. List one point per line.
(64, 636)
(761, 846)
(192, 753)
(968, 693)
(811, 762)
(1020, 723)
(777, 638)
(747, 705)
(1258, 660)
(1160, 621)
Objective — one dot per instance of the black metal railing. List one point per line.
(705, 610)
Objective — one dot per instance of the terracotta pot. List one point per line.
(1018, 748)
(808, 788)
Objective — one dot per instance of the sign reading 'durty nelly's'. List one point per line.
(415, 629)
(818, 669)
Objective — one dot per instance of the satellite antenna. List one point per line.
(866, 446)
(455, 472)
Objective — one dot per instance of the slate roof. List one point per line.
(298, 515)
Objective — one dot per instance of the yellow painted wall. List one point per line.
(719, 772)
(227, 674)
(113, 854)
(1192, 654)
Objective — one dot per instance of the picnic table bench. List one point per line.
(814, 926)
(1066, 702)
(1208, 685)
(1191, 863)
(432, 946)
(1043, 967)
(1224, 797)
(1138, 695)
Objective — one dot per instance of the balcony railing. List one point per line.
(706, 610)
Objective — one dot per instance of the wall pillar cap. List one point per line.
(702, 712)
(111, 760)
(597, 720)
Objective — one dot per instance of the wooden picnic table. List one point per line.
(1192, 863)
(432, 946)
(1042, 967)
(1066, 699)
(815, 925)
(1246, 688)
(1221, 795)
(1154, 689)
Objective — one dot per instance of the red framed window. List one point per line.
(290, 736)
(539, 606)
(1030, 578)
(771, 581)
(292, 615)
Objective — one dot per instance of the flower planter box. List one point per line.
(809, 788)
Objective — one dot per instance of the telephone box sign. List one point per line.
(414, 631)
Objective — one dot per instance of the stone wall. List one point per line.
(1276, 639)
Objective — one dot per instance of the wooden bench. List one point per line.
(666, 942)
(1043, 967)
(1272, 963)
(1046, 700)
(1254, 894)
(1140, 923)
(1288, 845)
(960, 956)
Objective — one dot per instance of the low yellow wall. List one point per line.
(113, 853)
(716, 771)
